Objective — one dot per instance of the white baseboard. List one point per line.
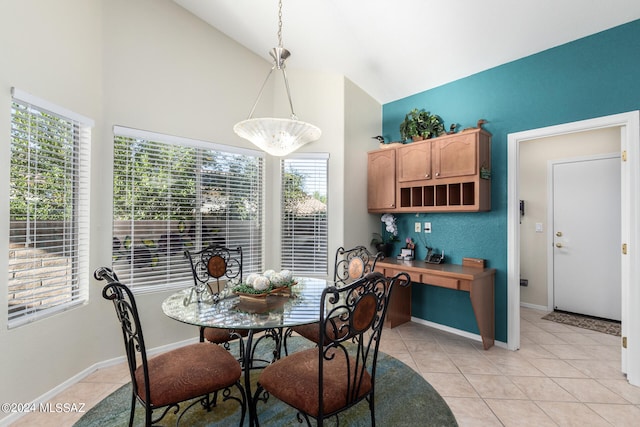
(455, 331)
(534, 306)
(49, 395)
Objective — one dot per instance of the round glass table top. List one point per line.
(233, 312)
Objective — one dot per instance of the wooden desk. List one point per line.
(478, 281)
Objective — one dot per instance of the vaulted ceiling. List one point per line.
(396, 48)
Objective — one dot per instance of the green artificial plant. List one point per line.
(421, 124)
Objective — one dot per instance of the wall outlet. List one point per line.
(416, 227)
(427, 227)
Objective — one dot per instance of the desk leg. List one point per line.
(482, 301)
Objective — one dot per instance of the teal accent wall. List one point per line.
(591, 77)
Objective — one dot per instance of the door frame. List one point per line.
(550, 216)
(629, 124)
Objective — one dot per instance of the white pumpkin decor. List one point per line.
(276, 279)
(256, 283)
(261, 283)
(286, 275)
(251, 278)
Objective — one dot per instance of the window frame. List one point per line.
(70, 244)
(288, 253)
(253, 256)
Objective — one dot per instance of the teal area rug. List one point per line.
(403, 398)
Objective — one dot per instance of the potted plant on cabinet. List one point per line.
(385, 244)
(420, 124)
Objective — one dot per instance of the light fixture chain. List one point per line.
(277, 137)
(279, 23)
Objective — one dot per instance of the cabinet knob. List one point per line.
(427, 176)
(437, 173)
(558, 245)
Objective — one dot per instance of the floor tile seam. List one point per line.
(494, 397)
(586, 369)
(550, 400)
(459, 417)
(489, 368)
(484, 400)
(588, 401)
(537, 403)
(445, 394)
(615, 391)
(533, 402)
(522, 364)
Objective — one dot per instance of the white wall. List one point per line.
(151, 65)
(534, 156)
(38, 356)
(363, 120)
(318, 98)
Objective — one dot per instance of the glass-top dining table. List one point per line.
(267, 316)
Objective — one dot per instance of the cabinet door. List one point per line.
(381, 180)
(455, 156)
(414, 161)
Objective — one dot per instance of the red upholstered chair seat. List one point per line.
(219, 336)
(176, 376)
(311, 331)
(350, 265)
(193, 370)
(294, 379)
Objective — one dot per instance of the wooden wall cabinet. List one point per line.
(456, 156)
(381, 181)
(451, 173)
(414, 162)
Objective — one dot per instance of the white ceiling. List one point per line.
(396, 48)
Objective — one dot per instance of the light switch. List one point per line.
(539, 227)
(416, 227)
(427, 227)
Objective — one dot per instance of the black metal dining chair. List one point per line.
(350, 265)
(213, 267)
(322, 382)
(165, 381)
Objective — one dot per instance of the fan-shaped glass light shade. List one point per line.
(277, 137)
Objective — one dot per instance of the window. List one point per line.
(49, 209)
(172, 194)
(304, 214)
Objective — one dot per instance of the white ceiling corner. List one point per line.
(396, 48)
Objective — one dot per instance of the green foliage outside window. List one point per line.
(41, 161)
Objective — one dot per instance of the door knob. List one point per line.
(559, 233)
(558, 245)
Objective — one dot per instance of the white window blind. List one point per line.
(304, 214)
(172, 194)
(49, 209)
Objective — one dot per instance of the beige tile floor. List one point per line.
(561, 376)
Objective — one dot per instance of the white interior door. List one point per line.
(586, 236)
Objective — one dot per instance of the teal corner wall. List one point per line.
(591, 77)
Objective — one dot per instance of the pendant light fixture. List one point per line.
(277, 136)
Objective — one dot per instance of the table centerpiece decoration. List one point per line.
(259, 286)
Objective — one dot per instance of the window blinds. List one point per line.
(172, 194)
(304, 214)
(49, 209)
